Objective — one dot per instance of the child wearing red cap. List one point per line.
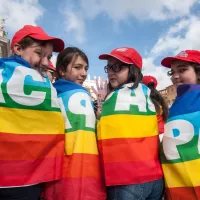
(51, 72)
(158, 100)
(32, 126)
(128, 131)
(180, 152)
(82, 173)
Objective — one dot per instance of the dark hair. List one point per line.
(196, 67)
(28, 41)
(158, 101)
(134, 76)
(66, 56)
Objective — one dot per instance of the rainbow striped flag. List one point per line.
(31, 126)
(82, 174)
(128, 137)
(180, 152)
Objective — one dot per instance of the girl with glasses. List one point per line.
(128, 132)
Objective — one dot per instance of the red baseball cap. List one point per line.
(186, 55)
(51, 66)
(37, 33)
(124, 54)
(149, 79)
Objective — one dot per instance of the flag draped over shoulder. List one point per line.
(180, 151)
(82, 176)
(31, 126)
(128, 137)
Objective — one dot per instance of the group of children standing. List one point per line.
(52, 147)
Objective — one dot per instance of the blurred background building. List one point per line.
(4, 41)
(169, 94)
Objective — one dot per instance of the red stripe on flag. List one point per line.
(129, 149)
(125, 173)
(76, 189)
(17, 173)
(130, 160)
(30, 147)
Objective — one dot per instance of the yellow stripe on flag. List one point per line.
(127, 126)
(81, 142)
(184, 174)
(21, 121)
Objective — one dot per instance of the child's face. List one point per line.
(76, 71)
(117, 78)
(37, 55)
(183, 73)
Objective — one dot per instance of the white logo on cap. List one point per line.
(121, 49)
(182, 54)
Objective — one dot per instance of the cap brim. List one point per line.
(118, 57)
(58, 44)
(166, 62)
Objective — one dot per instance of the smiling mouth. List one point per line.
(80, 81)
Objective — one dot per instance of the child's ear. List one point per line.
(17, 49)
(62, 72)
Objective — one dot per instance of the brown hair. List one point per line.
(28, 41)
(158, 101)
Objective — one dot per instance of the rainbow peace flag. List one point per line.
(82, 174)
(128, 137)
(31, 126)
(180, 151)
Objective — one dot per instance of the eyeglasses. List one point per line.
(170, 73)
(116, 67)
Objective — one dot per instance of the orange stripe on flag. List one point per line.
(183, 193)
(81, 166)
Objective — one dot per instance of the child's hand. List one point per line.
(101, 90)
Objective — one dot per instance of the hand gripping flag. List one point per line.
(31, 126)
(128, 137)
(82, 174)
(180, 151)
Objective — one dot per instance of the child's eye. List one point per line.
(39, 53)
(182, 70)
(77, 67)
